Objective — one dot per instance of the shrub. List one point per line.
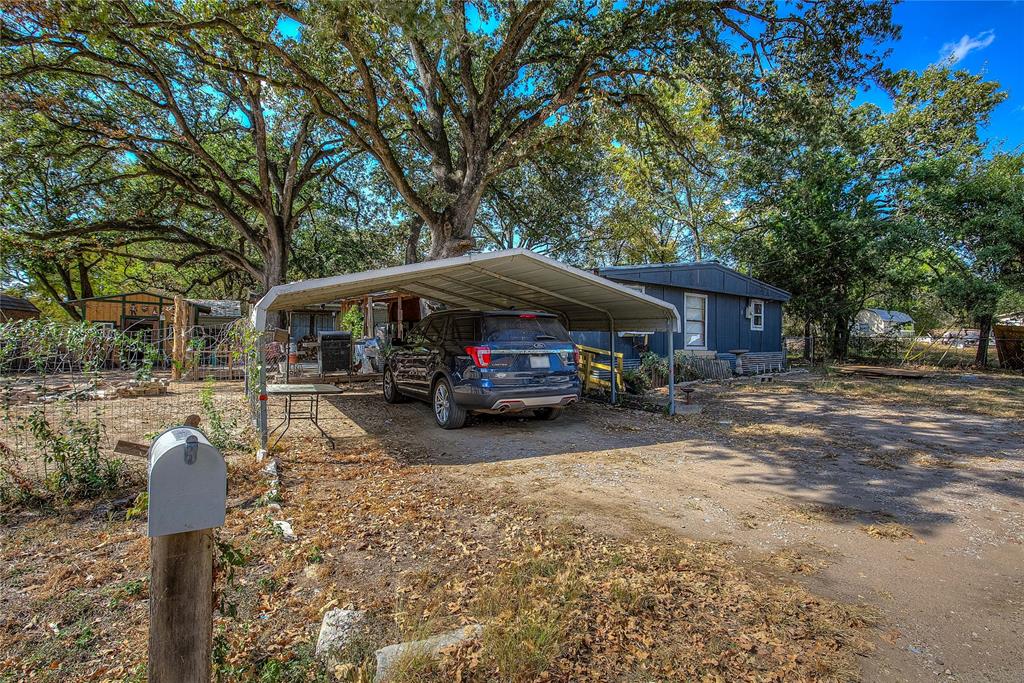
(218, 428)
(72, 466)
(637, 381)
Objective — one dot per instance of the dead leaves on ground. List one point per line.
(424, 551)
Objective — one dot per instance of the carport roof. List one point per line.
(513, 278)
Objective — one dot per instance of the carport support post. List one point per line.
(671, 372)
(611, 361)
(262, 395)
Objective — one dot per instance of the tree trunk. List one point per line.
(412, 245)
(841, 338)
(452, 235)
(275, 272)
(807, 341)
(84, 282)
(984, 330)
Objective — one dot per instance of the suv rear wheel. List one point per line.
(447, 413)
(548, 413)
(391, 392)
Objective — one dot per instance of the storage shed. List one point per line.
(17, 308)
(722, 310)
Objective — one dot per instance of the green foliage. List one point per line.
(139, 508)
(229, 559)
(353, 320)
(637, 381)
(72, 467)
(218, 428)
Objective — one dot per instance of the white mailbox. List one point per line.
(187, 483)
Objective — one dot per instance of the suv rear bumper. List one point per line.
(503, 405)
(512, 399)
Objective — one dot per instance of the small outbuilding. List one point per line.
(873, 322)
(16, 308)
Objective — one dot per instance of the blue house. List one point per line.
(722, 311)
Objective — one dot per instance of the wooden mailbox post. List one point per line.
(187, 496)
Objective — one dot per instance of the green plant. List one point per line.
(73, 466)
(315, 555)
(218, 428)
(637, 381)
(229, 559)
(139, 508)
(353, 321)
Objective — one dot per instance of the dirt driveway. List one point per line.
(907, 498)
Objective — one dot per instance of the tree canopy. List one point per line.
(227, 146)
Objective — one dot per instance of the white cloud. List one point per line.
(951, 53)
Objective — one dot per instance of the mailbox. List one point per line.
(187, 483)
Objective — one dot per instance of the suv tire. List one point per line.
(548, 413)
(391, 392)
(447, 413)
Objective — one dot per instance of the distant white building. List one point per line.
(877, 321)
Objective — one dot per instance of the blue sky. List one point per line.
(985, 37)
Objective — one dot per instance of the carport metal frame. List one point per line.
(435, 280)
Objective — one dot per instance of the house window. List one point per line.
(756, 314)
(696, 326)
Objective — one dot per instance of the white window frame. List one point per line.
(704, 335)
(754, 315)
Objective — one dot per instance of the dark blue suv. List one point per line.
(465, 361)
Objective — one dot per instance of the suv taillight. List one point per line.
(481, 355)
(575, 354)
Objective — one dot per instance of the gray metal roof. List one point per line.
(512, 278)
(219, 308)
(897, 317)
(701, 276)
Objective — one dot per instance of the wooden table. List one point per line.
(302, 402)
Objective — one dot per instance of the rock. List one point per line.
(286, 530)
(337, 629)
(388, 657)
(260, 454)
(271, 468)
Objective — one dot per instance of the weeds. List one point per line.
(72, 465)
(218, 428)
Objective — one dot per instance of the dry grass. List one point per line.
(422, 552)
(995, 395)
(892, 531)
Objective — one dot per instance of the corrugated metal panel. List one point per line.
(514, 278)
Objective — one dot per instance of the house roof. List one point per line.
(16, 303)
(702, 276)
(218, 308)
(118, 297)
(895, 317)
(511, 278)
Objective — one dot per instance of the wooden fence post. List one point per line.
(178, 343)
(181, 607)
(187, 497)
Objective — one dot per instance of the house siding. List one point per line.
(728, 296)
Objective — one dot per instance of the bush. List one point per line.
(218, 428)
(637, 381)
(72, 466)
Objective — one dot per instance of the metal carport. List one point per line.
(512, 278)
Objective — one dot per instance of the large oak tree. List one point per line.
(231, 156)
(448, 96)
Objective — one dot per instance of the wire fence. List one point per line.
(71, 387)
(949, 351)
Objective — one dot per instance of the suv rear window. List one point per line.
(515, 328)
